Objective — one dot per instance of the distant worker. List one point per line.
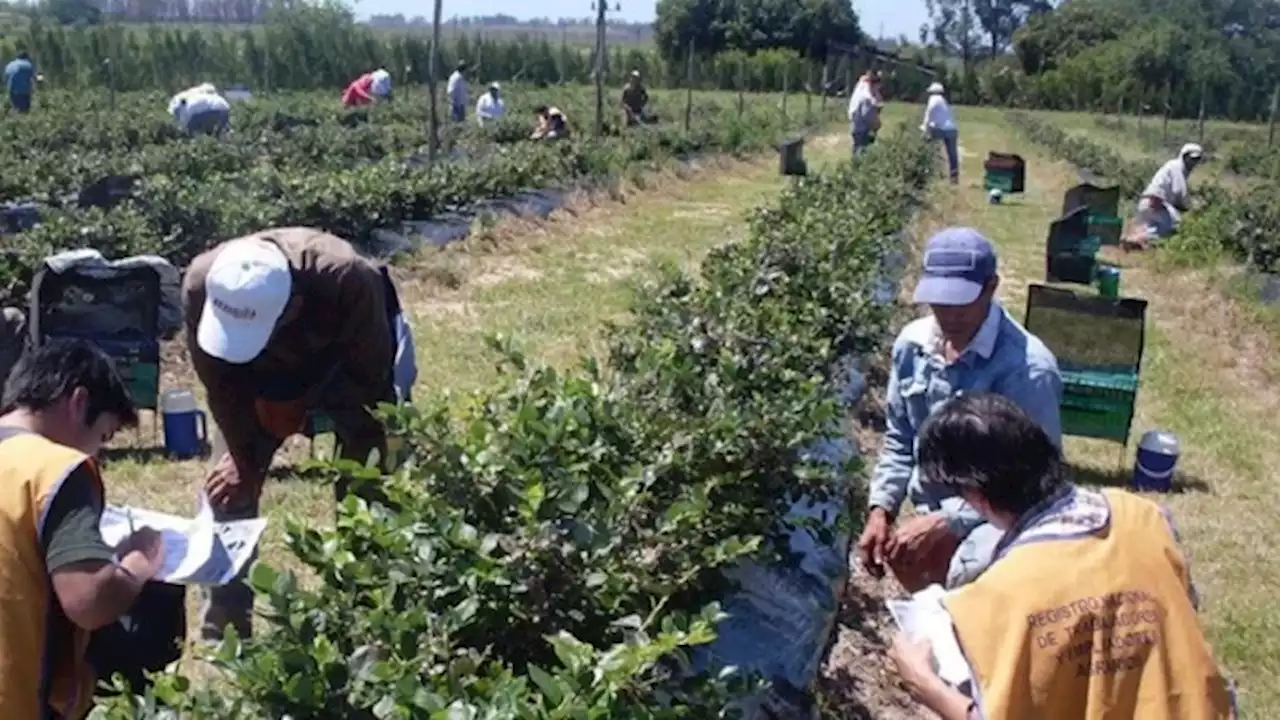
(20, 79)
(864, 111)
(1167, 196)
(201, 110)
(457, 91)
(280, 323)
(490, 105)
(552, 124)
(940, 124)
(635, 101)
(368, 89)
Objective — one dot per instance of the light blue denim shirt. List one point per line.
(1002, 358)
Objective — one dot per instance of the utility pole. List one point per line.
(433, 127)
(601, 7)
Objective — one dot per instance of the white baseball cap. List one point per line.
(245, 293)
(936, 89)
(1192, 151)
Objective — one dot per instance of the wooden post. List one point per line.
(786, 88)
(808, 98)
(1271, 122)
(1168, 110)
(822, 89)
(433, 61)
(742, 86)
(688, 99)
(1204, 94)
(601, 5)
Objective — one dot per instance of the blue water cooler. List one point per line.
(1157, 457)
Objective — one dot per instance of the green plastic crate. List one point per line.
(1098, 404)
(998, 180)
(143, 381)
(1107, 229)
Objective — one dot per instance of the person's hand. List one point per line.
(874, 539)
(142, 553)
(225, 486)
(918, 536)
(913, 660)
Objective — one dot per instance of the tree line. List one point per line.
(1173, 56)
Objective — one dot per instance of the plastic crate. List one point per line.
(1002, 180)
(1107, 229)
(1071, 268)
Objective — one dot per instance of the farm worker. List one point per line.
(940, 124)
(864, 111)
(552, 124)
(635, 99)
(201, 110)
(968, 343)
(20, 79)
(1088, 611)
(1167, 197)
(457, 91)
(61, 581)
(490, 105)
(279, 323)
(367, 89)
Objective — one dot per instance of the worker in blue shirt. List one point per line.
(20, 79)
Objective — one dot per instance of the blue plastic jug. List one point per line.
(186, 429)
(1157, 457)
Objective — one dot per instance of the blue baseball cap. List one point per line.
(958, 262)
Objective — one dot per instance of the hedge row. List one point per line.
(556, 541)
(1240, 224)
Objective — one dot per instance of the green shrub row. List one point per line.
(301, 160)
(1239, 224)
(551, 547)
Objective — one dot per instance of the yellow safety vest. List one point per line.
(1093, 628)
(32, 469)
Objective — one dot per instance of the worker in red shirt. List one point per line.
(367, 89)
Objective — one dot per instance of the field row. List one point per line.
(300, 159)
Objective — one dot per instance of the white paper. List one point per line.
(923, 617)
(198, 551)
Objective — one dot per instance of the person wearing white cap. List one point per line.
(1167, 196)
(490, 105)
(940, 124)
(281, 323)
(201, 110)
(865, 103)
(635, 101)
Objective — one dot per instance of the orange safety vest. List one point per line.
(32, 469)
(1099, 627)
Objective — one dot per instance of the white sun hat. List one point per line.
(1192, 151)
(246, 291)
(936, 89)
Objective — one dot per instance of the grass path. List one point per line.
(1208, 375)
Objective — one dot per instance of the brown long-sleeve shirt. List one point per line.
(341, 327)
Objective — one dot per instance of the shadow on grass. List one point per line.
(1119, 476)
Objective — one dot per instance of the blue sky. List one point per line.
(896, 17)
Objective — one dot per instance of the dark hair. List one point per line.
(46, 374)
(986, 442)
(22, 55)
(542, 110)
